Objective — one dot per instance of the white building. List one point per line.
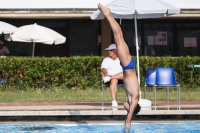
(71, 18)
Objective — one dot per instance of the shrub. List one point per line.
(83, 72)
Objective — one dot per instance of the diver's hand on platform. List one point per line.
(106, 79)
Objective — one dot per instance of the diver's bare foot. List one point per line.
(104, 10)
(127, 126)
(126, 106)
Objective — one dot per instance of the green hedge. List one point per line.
(83, 71)
(185, 75)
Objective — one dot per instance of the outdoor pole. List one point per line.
(137, 51)
(33, 49)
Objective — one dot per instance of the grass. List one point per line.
(89, 95)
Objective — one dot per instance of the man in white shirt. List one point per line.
(112, 72)
(4, 50)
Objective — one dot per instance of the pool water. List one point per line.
(148, 127)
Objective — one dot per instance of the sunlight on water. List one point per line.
(150, 127)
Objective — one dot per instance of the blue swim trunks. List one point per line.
(131, 65)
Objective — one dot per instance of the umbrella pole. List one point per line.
(137, 52)
(33, 49)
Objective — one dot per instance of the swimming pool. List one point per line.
(144, 127)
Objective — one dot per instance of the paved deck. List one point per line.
(92, 109)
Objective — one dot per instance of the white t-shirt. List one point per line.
(4, 50)
(113, 66)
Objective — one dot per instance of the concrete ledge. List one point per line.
(88, 108)
(169, 112)
(97, 113)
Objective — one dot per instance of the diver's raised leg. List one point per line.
(122, 48)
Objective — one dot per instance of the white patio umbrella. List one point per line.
(7, 28)
(37, 34)
(137, 9)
